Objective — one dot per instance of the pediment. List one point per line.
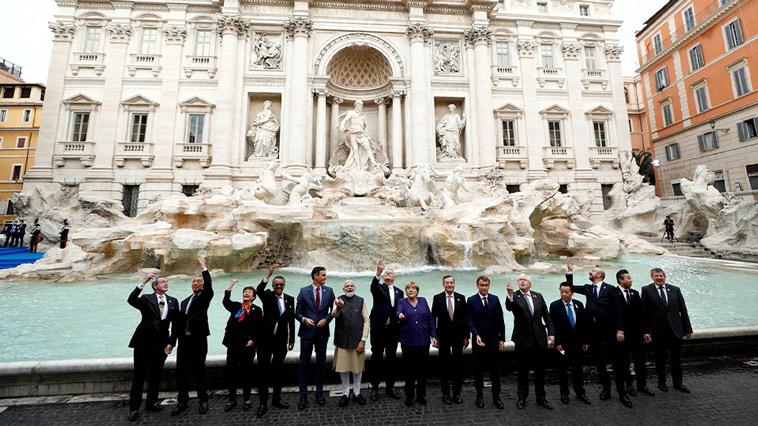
(599, 110)
(80, 99)
(555, 109)
(196, 102)
(139, 101)
(509, 108)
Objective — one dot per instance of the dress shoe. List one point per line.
(497, 403)
(584, 399)
(179, 409)
(544, 404)
(320, 399)
(133, 416)
(343, 401)
(682, 388)
(446, 399)
(565, 398)
(458, 399)
(521, 403)
(374, 394)
(646, 391)
(303, 404)
(359, 399)
(230, 406)
(663, 387)
(393, 393)
(626, 401)
(605, 395)
(631, 391)
(262, 409)
(479, 402)
(247, 405)
(153, 408)
(203, 408)
(408, 402)
(280, 404)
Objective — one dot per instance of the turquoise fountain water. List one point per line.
(49, 321)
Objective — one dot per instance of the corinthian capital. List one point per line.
(61, 31)
(571, 50)
(299, 25)
(233, 25)
(419, 31)
(613, 53)
(119, 33)
(174, 33)
(478, 34)
(526, 47)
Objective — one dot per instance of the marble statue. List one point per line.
(449, 135)
(267, 54)
(262, 133)
(454, 182)
(447, 58)
(423, 190)
(301, 191)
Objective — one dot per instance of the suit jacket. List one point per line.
(21, 229)
(196, 320)
(306, 308)
(237, 333)
(454, 330)
(489, 324)
(601, 312)
(528, 329)
(382, 309)
(660, 318)
(152, 330)
(565, 335)
(632, 316)
(272, 316)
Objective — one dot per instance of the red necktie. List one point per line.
(318, 298)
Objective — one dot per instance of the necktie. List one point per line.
(628, 298)
(570, 314)
(161, 305)
(594, 290)
(530, 303)
(281, 305)
(663, 296)
(450, 306)
(318, 298)
(189, 303)
(486, 305)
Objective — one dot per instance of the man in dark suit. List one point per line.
(666, 324)
(449, 312)
(532, 333)
(571, 341)
(279, 329)
(7, 231)
(151, 341)
(605, 327)
(629, 303)
(385, 331)
(484, 316)
(313, 311)
(193, 332)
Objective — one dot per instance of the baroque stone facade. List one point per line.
(158, 98)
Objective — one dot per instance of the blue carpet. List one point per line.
(12, 257)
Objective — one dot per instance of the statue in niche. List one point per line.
(449, 135)
(267, 54)
(262, 134)
(447, 58)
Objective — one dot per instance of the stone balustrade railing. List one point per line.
(192, 151)
(83, 151)
(142, 151)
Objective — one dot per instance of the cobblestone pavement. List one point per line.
(723, 396)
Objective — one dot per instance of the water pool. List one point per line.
(50, 321)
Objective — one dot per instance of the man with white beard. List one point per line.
(350, 333)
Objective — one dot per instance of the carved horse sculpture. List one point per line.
(423, 191)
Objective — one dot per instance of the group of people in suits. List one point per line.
(14, 233)
(615, 325)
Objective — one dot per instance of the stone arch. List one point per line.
(336, 44)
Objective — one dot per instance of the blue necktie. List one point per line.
(570, 314)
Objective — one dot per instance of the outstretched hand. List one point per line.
(201, 261)
(271, 269)
(232, 283)
(380, 268)
(570, 265)
(509, 289)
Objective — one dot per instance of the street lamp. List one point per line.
(712, 123)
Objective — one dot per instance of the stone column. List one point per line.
(616, 85)
(534, 136)
(320, 130)
(576, 121)
(418, 34)
(382, 125)
(230, 28)
(481, 36)
(472, 145)
(397, 130)
(296, 149)
(167, 129)
(334, 131)
(47, 141)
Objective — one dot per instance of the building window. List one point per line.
(9, 92)
(21, 142)
(512, 189)
(189, 190)
(747, 129)
(80, 127)
(509, 132)
(27, 116)
(657, 43)
(605, 190)
(16, 172)
(661, 79)
(584, 10)
(719, 182)
(676, 188)
(689, 19)
(9, 210)
(92, 40)
(631, 129)
(203, 43)
(626, 95)
(542, 7)
(546, 51)
(503, 54)
(149, 41)
(696, 58)
(196, 128)
(701, 96)
(733, 34)
(130, 199)
(563, 188)
(3, 114)
(26, 92)
(752, 175)
(672, 151)
(740, 81)
(554, 132)
(708, 141)
(590, 57)
(668, 114)
(601, 138)
(138, 127)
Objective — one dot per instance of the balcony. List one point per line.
(88, 60)
(144, 61)
(142, 151)
(505, 72)
(601, 154)
(512, 154)
(558, 154)
(590, 76)
(192, 151)
(82, 151)
(200, 63)
(550, 74)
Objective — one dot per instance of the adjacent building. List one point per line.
(698, 68)
(639, 130)
(146, 99)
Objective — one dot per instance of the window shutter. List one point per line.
(715, 139)
(701, 142)
(742, 131)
